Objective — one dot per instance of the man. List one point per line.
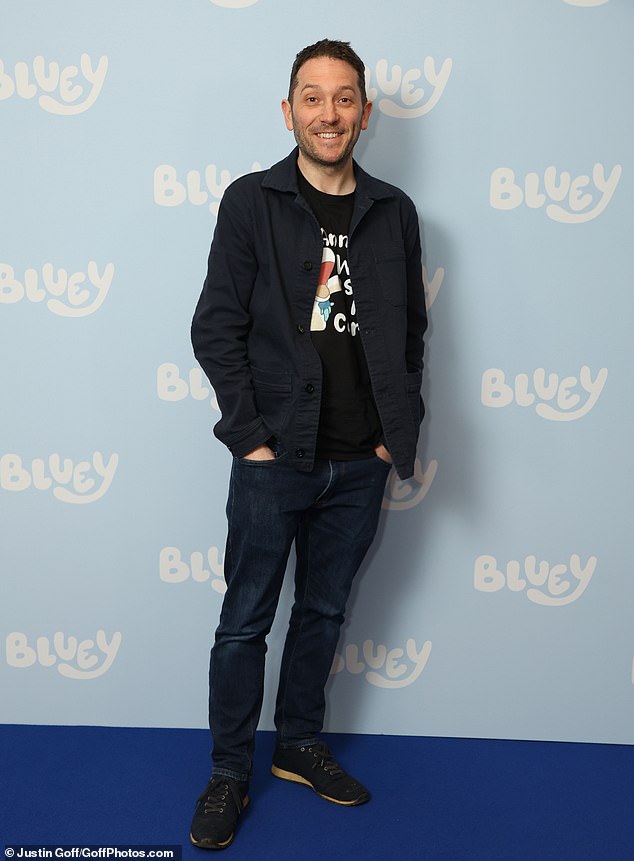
(310, 328)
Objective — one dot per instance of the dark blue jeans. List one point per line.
(331, 514)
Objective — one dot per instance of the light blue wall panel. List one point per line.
(498, 598)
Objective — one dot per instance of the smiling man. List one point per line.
(310, 328)
(326, 110)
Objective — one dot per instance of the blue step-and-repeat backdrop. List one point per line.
(498, 600)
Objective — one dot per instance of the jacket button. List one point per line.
(299, 452)
(309, 388)
(308, 265)
(300, 329)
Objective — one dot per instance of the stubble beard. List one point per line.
(303, 140)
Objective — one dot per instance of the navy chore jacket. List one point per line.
(251, 328)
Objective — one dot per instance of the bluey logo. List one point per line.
(432, 286)
(402, 494)
(82, 482)
(566, 393)
(384, 668)
(201, 190)
(170, 386)
(234, 4)
(580, 200)
(586, 3)
(74, 659)
(68, 295)
(63, 92)
(548, 585)
(402, 97)
(174, 569)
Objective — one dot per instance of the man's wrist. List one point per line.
(382, 453)
(262, 452)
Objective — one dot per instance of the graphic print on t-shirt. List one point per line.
(328, 284)
(331, 312)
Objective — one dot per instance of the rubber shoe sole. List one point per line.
(297, 778)
(209, 843)
(206, 843)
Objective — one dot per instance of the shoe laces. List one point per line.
(214, 798)
(325, 760)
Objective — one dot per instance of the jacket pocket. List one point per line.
(272, 396)
(390, 262)
(271, 381)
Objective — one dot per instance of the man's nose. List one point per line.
(329, 112)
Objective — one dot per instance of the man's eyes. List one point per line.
(314, 99)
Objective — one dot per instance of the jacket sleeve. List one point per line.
(416, 309)
(222, 322)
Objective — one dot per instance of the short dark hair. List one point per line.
(334, 49)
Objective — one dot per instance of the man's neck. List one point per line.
(338, 179)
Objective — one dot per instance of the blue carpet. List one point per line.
(433, 798)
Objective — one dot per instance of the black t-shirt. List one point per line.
(349, 426)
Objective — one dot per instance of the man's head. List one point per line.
(327, 107)
(335, 50)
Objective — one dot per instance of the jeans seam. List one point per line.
(328, 486)
(297, 745)
(297, 638)
(234, 775)
(230, 513)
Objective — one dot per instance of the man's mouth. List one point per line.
(328, 135)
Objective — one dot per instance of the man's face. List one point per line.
(326, 114)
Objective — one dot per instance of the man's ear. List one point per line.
(288, 114)
(365, 116)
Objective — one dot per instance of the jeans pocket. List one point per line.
(278, 450)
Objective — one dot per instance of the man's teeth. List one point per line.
(327, 134)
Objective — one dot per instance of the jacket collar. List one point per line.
(283, 177)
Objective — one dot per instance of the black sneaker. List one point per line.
(315, 767)
(217, 812)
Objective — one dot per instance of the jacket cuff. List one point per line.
(246, 446)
